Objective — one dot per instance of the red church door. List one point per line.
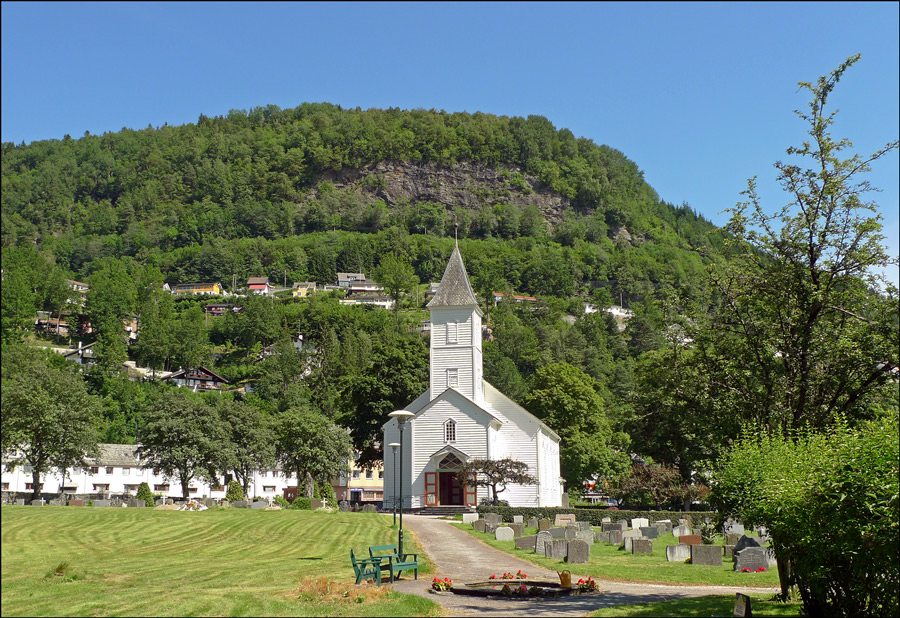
(451, 490)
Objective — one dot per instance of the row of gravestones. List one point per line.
(347, 507)
(132, 502)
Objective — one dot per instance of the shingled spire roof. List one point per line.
(455, 289)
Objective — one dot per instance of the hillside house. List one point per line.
(260, 285)
(461, 416)
(197, 288)
(303, 289)
(199, 379)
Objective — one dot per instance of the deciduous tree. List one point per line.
(496, 474)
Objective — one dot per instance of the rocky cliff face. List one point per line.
(468, 185)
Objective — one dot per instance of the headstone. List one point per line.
(344, 506)
(370, 508)
(557, 533)
(20, 501)
(533, 522)
(504, 533)
(38, 502)
(468, 518)
(565, 500)
(751, 558)
(583, 525)
(101, 502)
(578, 552)
(571, 531)
(518, 529)
(493, 518)
(540, 540)
(240, 504)
(691, 539)
(627, 543)
(729, 551)
(605, 520)
(682, 530)
(741, 606)
(744, 542)
(585, 535)
(543, 524)
(315, 504)
(557, 548)
(56, 502)
(518, 519)
(258, 505)
(526, 542)
(678, 553)
(563, 519)
(601, 537)
(615, 537)
(732, 538)
(159, 501)
(735, 527)
(490, 527)
(639, 522)
(631, 534)
(134, 503)
(650, 532)
(708, 555)
(663, 526)
(479, 525)
(623, 524)
(642, 546)
(76, 502)
(607, 526)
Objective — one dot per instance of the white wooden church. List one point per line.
(462, 417)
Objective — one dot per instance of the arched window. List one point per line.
(450, 431)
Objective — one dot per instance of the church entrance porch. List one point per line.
(443, 487)
(451, 490)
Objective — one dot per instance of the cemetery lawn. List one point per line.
(220, 562)
(609, 562)
(718, 605)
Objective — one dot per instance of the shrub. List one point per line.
(144, 493)
(235, 492)
(301, 503)
(327, 492)
(708, 533)
(280, 501)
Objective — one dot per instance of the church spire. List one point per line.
(455, 289)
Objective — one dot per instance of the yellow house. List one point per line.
(303, 289)
(198, 288)
(361, 485)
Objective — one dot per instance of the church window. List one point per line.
(450, 431)
(452, 378)
(451, 332)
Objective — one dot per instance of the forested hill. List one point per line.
(186, 199)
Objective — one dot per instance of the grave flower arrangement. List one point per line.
(587, 585)
(519, 575)
(749, 570)
(441, 585)
(522, 591)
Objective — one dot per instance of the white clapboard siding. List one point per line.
(464, 355)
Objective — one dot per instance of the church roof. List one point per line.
(455, 289)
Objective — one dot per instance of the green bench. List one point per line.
(395, 562)
(366, 568)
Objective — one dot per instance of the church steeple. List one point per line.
(456, 360)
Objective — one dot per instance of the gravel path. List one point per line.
(462, 557)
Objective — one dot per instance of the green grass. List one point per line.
(718, 605)
(236, 562)
(609, 562)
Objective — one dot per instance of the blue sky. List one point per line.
(699, 95)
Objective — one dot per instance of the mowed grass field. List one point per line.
(67, 561)
(609, 562)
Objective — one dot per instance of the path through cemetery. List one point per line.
(461, 557)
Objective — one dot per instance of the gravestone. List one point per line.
(583, 525)
(744, 542)
(468, 518)
(642, 546)
(76, 502)
(134, 503)
(490, 527)
(608, 525)
(678, 553)
(344, 506)
(615, 537)
(605, 520)
(38, 502)
(20, 501)
(533, 522)
(101, 502)
(627, 543)
(315, 504)
(678, 531)
(504, 533)
(571, 531)
(691, 539)
(601, 537)
(369, 508)
(751, 558)
(650, 532)
(56, 502)
(518, 529)
(623, 524)
(578, 552)
(707, 555)
(540, 540)
(526, 542)
(666, 522)
(518, 519)
(662, 526)
(729, 551)
(732, 538)
(564, 519)
(543, 524)
(741, 606)
(639, 522)
(493, 518)
(258, 505)
(585, 535)
(479, 525)
(240, 504)
(557, 533)
(735, 527)
(557, 548)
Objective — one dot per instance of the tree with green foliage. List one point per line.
(182, 438)
(50, 421)
(496, 474)
(111, 295)
(235, 492)
(250, 443)
(308, 443)
(144, 493)
(396, 276)
(565, 398)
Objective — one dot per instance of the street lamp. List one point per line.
(402, 416)
(394, 446)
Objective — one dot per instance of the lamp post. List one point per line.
(394, 446)
(402, 416)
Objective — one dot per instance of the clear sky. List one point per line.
(699, 95)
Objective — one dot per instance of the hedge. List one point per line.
(594, 516)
